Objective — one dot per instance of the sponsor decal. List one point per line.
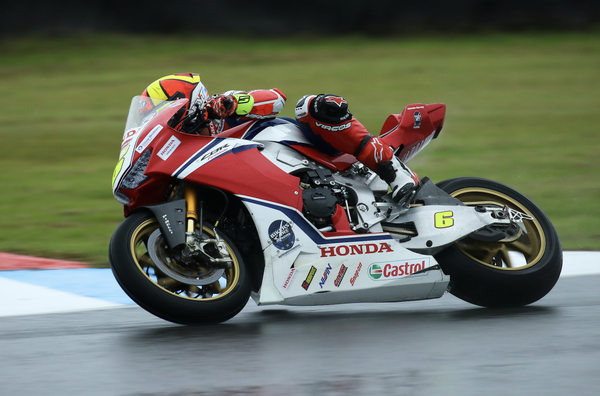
(215, 153)
(415, 107)
(169, 147)
(281, 234)
(345, 250)
(417, 117)
(149, 138)
(167, 223)
(290, 278)
(375, 271)
(338, 100)
(340, 276)
(377, 156)
(309, 277)
(325, 275)
(396, 269)
(335, 128)
(356, 274)
(215, 149)
(300, 112)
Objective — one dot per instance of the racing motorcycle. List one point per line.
(257, 211)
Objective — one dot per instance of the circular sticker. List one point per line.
(375, 271)
(281, 234)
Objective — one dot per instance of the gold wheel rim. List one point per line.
(529, 246)
(139, 252)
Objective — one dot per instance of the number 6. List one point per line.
(444, 219)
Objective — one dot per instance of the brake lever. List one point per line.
(195, 119)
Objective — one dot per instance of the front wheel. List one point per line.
(156, 279)
(513, 272)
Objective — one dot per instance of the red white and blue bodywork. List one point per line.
(370, 250)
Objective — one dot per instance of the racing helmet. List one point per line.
(173, 87)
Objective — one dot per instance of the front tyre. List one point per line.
(154, 277)
(510, 273)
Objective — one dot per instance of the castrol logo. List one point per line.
(396, 269)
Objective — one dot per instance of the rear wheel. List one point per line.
(157, 280)
(516, 271)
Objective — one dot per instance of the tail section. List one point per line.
(410, 131)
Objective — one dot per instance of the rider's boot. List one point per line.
(401, 179)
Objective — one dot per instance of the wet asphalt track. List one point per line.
(438, 347)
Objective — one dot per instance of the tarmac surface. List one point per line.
(72, 331)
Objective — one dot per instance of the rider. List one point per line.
(324, 119)
(327, 123)
(222, 111)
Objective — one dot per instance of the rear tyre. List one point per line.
(154, 278)
(512, 273)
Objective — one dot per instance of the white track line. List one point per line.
(580, 263)
(22, 298)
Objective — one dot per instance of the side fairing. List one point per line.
(237, 166)
(303, 267)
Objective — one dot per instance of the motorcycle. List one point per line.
(257, 212)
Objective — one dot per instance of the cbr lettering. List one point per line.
(215, 151)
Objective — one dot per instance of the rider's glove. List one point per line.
(221, 106)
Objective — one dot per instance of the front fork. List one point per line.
(191, 212)
(196, 242)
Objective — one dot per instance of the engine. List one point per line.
(356, 193)
(320, 196)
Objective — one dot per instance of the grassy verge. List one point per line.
(522, 109)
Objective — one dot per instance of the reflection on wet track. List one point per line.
(441, 346)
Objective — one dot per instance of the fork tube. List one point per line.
(191, 204)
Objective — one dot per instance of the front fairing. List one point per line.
(165, 154)
(140, 132)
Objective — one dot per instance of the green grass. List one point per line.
(522, 109)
